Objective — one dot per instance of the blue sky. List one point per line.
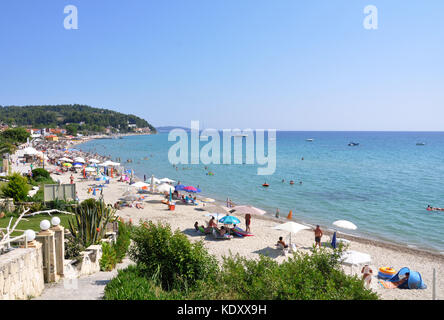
(284, 64)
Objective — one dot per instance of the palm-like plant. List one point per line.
(89, 225)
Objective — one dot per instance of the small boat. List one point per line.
(420, 143)
(309, 140)
(291, 182)
(265, 185)
(353, 144)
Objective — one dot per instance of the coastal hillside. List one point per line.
(76, 117)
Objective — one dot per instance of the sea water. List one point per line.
(383, 185)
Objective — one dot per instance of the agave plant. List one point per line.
(89, 225)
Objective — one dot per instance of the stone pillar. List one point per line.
(46, 238)
(59, 239)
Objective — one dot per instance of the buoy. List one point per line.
(290, 214)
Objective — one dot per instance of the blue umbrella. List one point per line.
(333, 241)
(229, 220)
(77, 163)
(179, 187)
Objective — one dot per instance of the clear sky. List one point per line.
(283, 64)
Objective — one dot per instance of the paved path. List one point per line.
(90, 287)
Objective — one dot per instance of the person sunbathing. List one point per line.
(281, 242)
(139, 206)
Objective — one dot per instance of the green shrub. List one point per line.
(109, 259)
(89, 222)
(302, 277)
(17, 188)
(178, 262)
(73, 247)
(40, 174)
(132, 284)
(123, 241)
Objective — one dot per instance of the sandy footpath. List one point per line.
(264, 239)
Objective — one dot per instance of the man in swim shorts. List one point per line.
(318, 235)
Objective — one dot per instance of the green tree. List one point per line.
(16, 135)
(17, 188)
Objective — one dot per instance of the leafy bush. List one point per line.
(302, 277)
(17, 188)
(73, 247)
(178, 262)
(88, 225)
(40, 174)
(123, 241)
(132, 284)
(109, 259)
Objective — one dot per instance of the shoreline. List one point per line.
(382, 243)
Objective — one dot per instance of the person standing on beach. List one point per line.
(247, 222)
(72, 179)
(318, 235)
(277, 213)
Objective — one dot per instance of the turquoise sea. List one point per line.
(383, 185)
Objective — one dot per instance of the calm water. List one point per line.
(383, 185)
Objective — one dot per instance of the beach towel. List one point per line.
(387, 284)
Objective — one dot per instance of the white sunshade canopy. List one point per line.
(30, 151)
(79, 159)
(291, 226)
(344, 224)
(166, 180)
(64, 159)
(247, 209)
(355, 258)
(164, 187)
(139, 184)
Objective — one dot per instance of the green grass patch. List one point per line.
(33, 223)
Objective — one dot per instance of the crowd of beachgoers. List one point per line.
(249, 234)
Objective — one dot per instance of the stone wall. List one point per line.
(21, 273)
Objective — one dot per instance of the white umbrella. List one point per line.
(79, 159)
(291, 227)
(164, 187)
(344, 224)
(64, 159)
(90, 169)
(139, 184)
(352, 258)
(109, 164)
(247, 209)
(94, 161)
(30, 151)
(166, 180)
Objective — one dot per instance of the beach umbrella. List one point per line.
(333, 240)
(77, 163)
(90, 169)
(352, 258)
(179, 187)
(166, 180)
(229, 220)
(165, 187)
(68, 165)
(291, 227)
(139, 184)
(247, 209)
(79, 159)
(94, 161)
(191, 189)
(64, 159)
(344, 224)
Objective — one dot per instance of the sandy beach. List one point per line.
(265, 238)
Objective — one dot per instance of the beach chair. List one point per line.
(219, 237)
(279, 246)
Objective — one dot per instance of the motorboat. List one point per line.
(420, 143)
(353, 144)
(309, 140)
